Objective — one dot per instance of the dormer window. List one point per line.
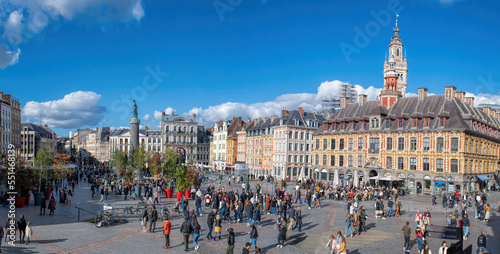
(387, 123)
(361, 125)
(426, 122)
(351, 125)
(442, 121)
(375, 122)
(400, 122)
(414, 122)
(343, 126)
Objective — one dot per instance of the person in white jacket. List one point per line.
(443, 249)
(332, 244)
(29, 232)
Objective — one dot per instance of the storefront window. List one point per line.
(411, 183)
(331, 176)
(427, 184)
(323, 175)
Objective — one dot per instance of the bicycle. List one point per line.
(104, 218)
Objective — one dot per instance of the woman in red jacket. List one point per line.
(419, 234)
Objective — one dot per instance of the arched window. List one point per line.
(397, 52)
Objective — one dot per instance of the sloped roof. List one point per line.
(432, 107)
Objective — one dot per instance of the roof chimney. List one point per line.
(469, 100)
(460, 95)
(344, 101)
(362, 99)
(486, 110)
(422, 92)
(449, 92)
(284, 112)
(301, 111)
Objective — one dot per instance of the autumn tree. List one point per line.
(44, 158)
(119, 161)
(169, 167)
(154, 165)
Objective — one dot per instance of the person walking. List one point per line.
(298, 219)
(218, 226)
(43, 205)
(145, 219)
(332, 244)
(196, 234)
(298, 193)
(390, 204)
(210, 224)
(21, 225)
(52, 205)
(481, 242)
(153, 217)
(282, 232)
(253, 236)
(102, 195)
(465, 225)
(343, 246)
(166, 231)
(186, 230)
(256, 215)
(29, 232)
(487, 211)
(309, 198)
(398, 207)
(406, 233)
(348, 223)
(418, 235)
(230, 241)
(443, 249)
(198, 205)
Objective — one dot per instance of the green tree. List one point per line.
(170, 160)
(44, 158)
(119, 160)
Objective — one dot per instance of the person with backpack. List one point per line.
(186, 230)
(253, 236)
(481, 242)
(153, 217)
(298, 219)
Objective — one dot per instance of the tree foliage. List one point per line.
(185, 178)
(154, 164)
(170, 160)
(44, 158)
(119, 161)
(61, 162)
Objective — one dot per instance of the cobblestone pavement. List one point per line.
(62, 233)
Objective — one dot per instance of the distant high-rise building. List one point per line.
(10, 122)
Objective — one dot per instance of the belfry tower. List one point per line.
(397, 63)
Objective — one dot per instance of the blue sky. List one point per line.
(258, 55)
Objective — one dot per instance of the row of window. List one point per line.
(375, 123)
(374, 144)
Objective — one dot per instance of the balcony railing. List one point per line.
(373, 150)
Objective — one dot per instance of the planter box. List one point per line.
(20, 201)
(38, 198)
(169, 193)
(179, 195)
(47, 194)
(187, 193)
(27, 201)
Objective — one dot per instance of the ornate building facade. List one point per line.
(425, 143)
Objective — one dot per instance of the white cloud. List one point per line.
(146, 117)
(157, 114)
(75, 110)
(22, 20)
(8, 57)
(309, 101)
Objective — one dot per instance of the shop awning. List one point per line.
(483, 178)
